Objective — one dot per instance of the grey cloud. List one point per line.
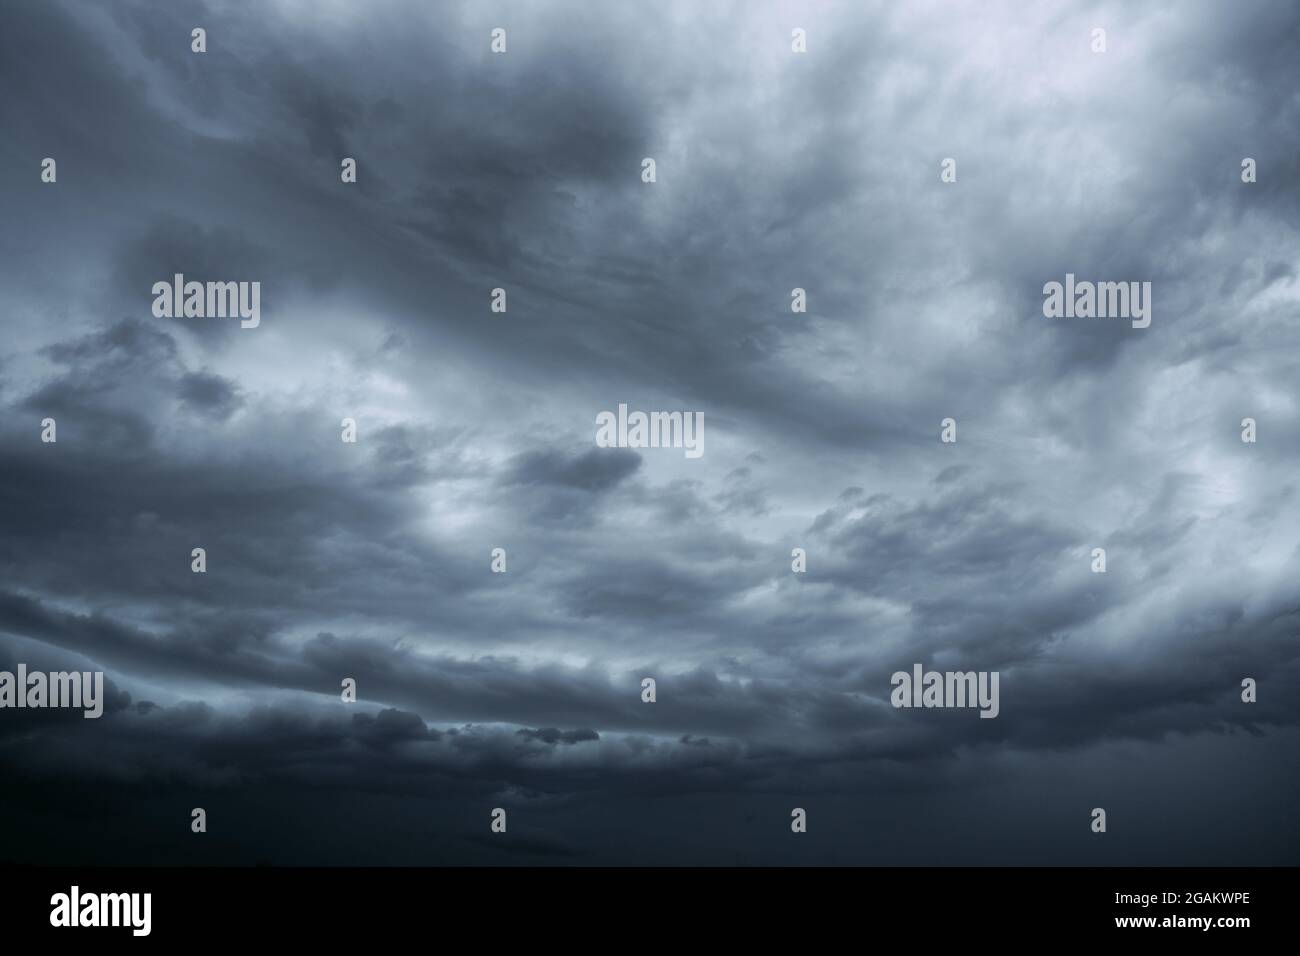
(372, 560)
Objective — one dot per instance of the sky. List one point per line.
(775, 170)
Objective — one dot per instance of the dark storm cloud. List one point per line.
(372, 560)
(594, 470)
(552, 735)
(209, 393)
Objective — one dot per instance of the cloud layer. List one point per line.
(775, 170)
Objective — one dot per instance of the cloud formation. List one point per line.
(820, 171)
